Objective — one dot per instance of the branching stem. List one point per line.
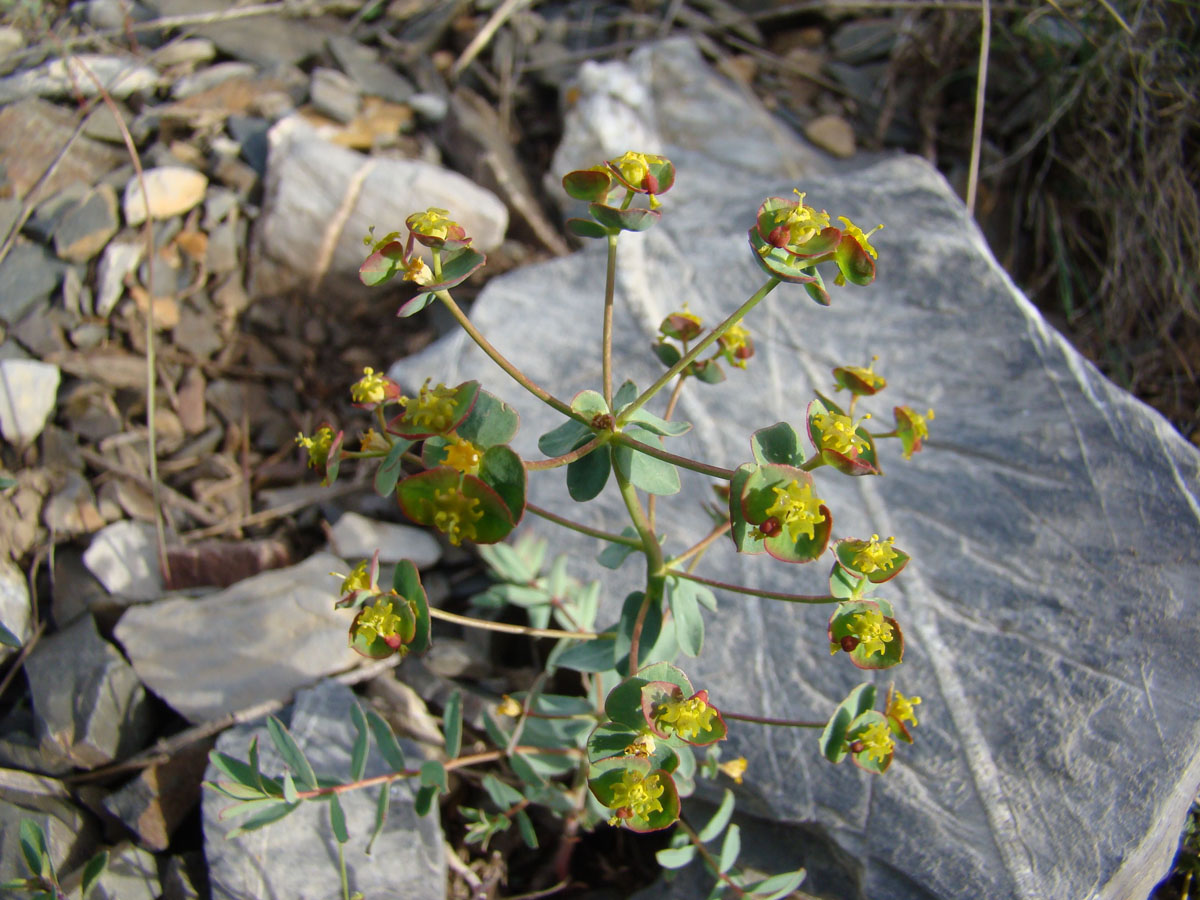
(814, 599)
(488, 625)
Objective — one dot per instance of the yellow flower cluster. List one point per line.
(455, 515)
(463, 456)
(688, 718)
(877, 741)
(839, 433)
(377, 621)
(797, 509)
(872, 631)
(639, 794)
(804, 222)
(875, 555)
(736, 342)
(434, 223)
(735, 768)
(318, 446)
(900, 707)
(433, 408)
(371, 388)
(359, 579)
(857, 233)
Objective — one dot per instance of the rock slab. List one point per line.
(1050, 614)
(28, 392)
(261, 639)
(297, 857)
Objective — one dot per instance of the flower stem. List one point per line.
(765, 720)
(687, 359)
(701, 545)
(488, 625)
(754, 592)
(583, 529)
(610, 289)
(554, 462)
(681, 461)
(655, 573)
(499, 359)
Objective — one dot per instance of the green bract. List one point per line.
(792, 524)
(867, 632)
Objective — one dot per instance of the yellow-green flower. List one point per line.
(857, 233)
(464, 456)
(434, 223)
(913, 428)
(736, 345)
(682, 325)
(378, 621)
(359, 579)
(877, 741)
(872, 630)
(371, 388)
(735, 768)
(839, 433)
(642, 746)
(373, 442)
(639, 794)
(797, 509)
(868, 376)
(804, 222)
(634, 167)
(509, 707)
(900, 707)
(687, 718)
(318, 446)
(416, 271)
(875, 555)
(455, 515)
(433, 408)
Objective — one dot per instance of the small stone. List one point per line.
(115, 14)
(209, 77)
(833, 134)
(88, 225)
(131, 874)
(81, 73)
(14, 605)
(20, 507)
(172, 190)
(27, 274)
(154, 804)
(28, 391)
(124, 557)
(859, 41)
(90, 411)
(70, 833)
(75, 591)
(236, 174)
(102, 125)
(431, 107)
(335, 94)
(197, 334)
(177, 880)
(219, 204)
(364, 68)
(165, 309)
(88, 335)
(72, 509)
(191, 406)
(33, 132)
(41, 330)
(234, 400)
(185, 51)
(120, 258)
(356, 537)
(72, 293)
(223, 248)
(89, 706)
(47, 215)
(11, 41)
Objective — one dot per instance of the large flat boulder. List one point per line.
(1049, 612)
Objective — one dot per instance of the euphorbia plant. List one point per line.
(624, 752)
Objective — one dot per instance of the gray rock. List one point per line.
(70, 833)
(171, 190)
(28, 392)
(177, 880)
(335, 94)
(89, 704)
(75, 590)
(321, 199)
(11, 41)
(87, 226)
(219, 204)
(14, 605)
(47, 215)
(197, 333)
(209, 77)
(121, 76)
(33, 131)
(27, 274)
(1050, 630)
(102, 125)
(186, 51)
(154, 803)
(357, 537)
(73, 508)
(40, 331)
(372, 76)
(261, 639)
(262, 40)
(223, 246)
(124, 557)
(131, 874)
(297, 857)
(430, 106)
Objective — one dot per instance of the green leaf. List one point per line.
(610, 739)
(433, 774)
(381, 811)
(389, 749)
(289, 788)
(632, 219)
(457, 265)
(707, 371)
(415, 304)
(490, 422)
(586, 477)
(6, 482)
(656, 425)
(362, 743)
(337, 820)
(526, 769)
(841, 625)
(854, 262)
(418, 494)
(720, 818)
(742, 530)
(652, 475)
(778, 886)
(293, 756)
(92, 870)
(842, 583)
(676, 857)
(452, 724)
(382, 264)
(465, 397)
(833, 737)
(777, 443)
(779, 263)
(587, 228)
(563, 439)
(589, 404)
(525, 826)
(406, 581)
(504, 796)
(668, 354)
(623, 705)
(502, 470)
(8, 638)
(423, 802)
(613, 555)
(391, 468)
(689, 621)
(33, 848)
(588, 656)
(587, 184)
(857, 729)
(239, 771)
(730, 848)
(625, 394)
(268, 815)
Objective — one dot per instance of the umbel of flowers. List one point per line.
(444, 452)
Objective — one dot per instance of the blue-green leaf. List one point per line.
(337, 820)
(386, 741)
(293, 756)
(676, 857)
(381, 811)
(719, 819)
(652, 475)
(730, 848)
(452, 725)
(362, 743)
